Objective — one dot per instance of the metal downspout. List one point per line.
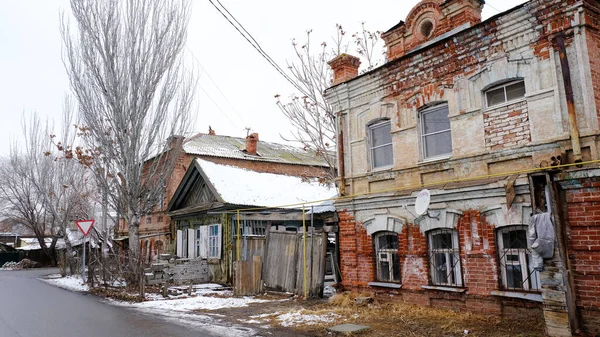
(566, 73)
(340, 146)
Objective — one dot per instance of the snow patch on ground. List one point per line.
(73, 282)
(299, 317)
(193, 303)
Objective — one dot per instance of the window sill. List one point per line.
(449, 289)
(434, 159)
(518, 294)
(385, 285)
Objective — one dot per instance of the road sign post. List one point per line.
(84, 226)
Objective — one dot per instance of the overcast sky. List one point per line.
(236, 85)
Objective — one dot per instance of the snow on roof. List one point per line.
(233, 147)
(240, 186)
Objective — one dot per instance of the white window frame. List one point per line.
(371, 127)
(531, 278)
(387, 255)
(424, 135)
(453, 274)
(506, 101)
(214, 241)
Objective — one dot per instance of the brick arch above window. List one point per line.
(500, 216)
(384, 223)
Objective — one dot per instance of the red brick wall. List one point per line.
(407, 36)
(412, 80)
(478, 260)
(583, 213)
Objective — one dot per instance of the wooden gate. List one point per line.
(285, 267)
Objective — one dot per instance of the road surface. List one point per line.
(32, 308)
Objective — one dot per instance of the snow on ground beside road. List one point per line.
(298, 317)
(73, 283)
(194, 303)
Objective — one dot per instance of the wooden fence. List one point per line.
(289, 260)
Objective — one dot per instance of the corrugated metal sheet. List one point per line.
(233, 147)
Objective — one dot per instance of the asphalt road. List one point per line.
(32, 308)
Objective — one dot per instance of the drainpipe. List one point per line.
(564, 65)
(340, 146)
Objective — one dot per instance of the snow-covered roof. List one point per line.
(234, 147)
(240, 186)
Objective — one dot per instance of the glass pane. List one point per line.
(495, 96)
(396, 267)
(514, 277)
(515, 91)
(438, 144)
(197, 234)
(384, 271)
(514, 239)
(383, 156)
(440, 273)
(381, 135)
(442, 240)
(512, 258)
(388, 242)
(435, 120)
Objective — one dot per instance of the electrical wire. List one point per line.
(216, 86)
(240, 28)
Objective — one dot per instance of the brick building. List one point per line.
(488, 116)
(237, 192)
(158, 230)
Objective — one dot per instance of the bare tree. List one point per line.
(124, 63)
(22, 201)
(67, 188)
(308, 111)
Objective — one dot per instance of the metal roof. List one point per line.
(234, 147)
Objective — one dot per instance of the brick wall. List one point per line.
(583, 214)
(478, 259)
(507, 126)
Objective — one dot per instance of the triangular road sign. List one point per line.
(85, 226)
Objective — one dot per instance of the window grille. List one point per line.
(515, 260)
(444, 258)
(388, 261)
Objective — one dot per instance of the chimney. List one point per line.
(211, 131)
(251, 143)
(175, 141)
(345, 68)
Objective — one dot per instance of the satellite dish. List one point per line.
(422, 202)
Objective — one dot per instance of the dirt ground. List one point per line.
(383, 319)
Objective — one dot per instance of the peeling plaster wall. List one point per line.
(499, 141)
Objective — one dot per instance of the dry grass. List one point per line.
(401, 319)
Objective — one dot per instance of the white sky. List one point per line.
(32, 76)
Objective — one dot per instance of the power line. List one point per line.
(216, 86)
(240, 28)
(494, 8)
(218, 107)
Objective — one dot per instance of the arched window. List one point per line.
(444, 257)
(504, 93)
(515, 260)
(387, 259)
